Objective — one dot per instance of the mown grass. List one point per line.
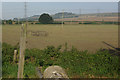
(76, 63)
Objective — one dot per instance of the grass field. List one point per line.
(83, 37)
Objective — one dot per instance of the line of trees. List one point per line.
(7, 21)
(11, 22)
(43, 19)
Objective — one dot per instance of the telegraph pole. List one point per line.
(98, 12)
(22, 45)
(80, 11)
(18, 20)
(62, 18)
(80, 16)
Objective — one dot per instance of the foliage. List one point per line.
(9, 70)
(30, 70)
(75, 62)
(45, 19)
(8, 52)
(9, 21)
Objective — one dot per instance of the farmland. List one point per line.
(83, 37)
(65, 46)
(80, 38)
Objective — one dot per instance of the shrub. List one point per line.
(75, 62)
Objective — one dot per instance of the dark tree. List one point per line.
(45, 19)
(9, 21)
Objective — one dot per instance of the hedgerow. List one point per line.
(75, 62)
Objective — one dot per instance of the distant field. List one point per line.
(91, 18)
(83, 37)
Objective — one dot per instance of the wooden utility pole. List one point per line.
(80, 12)
(62, 18)
(22, 47)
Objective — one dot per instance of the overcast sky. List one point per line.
(11, 10)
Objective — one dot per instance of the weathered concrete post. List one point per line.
(15, 56)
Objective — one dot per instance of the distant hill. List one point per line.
(65, 15)
(32, 18)
(102, 14)
(70, 15)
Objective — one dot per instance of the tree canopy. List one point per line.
(45, 19)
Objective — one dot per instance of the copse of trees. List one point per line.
(45, 19)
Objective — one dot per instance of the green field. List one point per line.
(83, 37)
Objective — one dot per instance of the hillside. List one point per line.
(65, 15)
